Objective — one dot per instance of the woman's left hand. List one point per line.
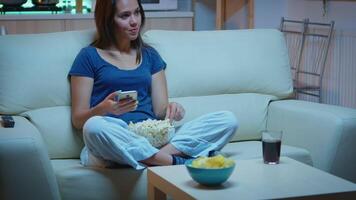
(175, 112)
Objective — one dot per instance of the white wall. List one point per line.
(269, 12)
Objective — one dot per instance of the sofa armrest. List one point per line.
(25, 168)
(327, 132)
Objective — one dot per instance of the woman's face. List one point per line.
(128, 19)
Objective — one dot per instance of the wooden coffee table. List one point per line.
(252, 179)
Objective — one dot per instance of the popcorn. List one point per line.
(157, 132)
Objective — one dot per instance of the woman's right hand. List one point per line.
(112, 106)
(81, 89)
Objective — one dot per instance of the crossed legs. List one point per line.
(197, 137)
(109, 139)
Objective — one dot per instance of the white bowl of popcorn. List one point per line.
(157, 132)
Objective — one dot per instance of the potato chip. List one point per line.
(214, 162)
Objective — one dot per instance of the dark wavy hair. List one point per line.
(106, 29)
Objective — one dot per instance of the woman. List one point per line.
(119, 60)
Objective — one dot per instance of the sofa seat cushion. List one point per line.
(77, 182)
(253, 149)
(55, 126)
(250, 110)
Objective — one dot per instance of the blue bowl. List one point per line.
(209, 177)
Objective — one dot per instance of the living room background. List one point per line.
(339, 78)
(339, 82)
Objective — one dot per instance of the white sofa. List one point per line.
(244, 71)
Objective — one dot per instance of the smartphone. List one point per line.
(126, 94)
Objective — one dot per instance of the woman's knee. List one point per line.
(230, 119)
(93, 127)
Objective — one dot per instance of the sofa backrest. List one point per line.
(236, 70)
(224, 62)
(34, 68)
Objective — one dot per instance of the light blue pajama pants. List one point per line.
(108, 140)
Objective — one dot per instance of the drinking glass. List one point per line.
(271, 146)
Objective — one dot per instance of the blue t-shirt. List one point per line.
(109, 78)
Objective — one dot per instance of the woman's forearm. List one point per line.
(80, 117)
(161, 112)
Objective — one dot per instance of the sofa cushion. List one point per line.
(78, 182)
(224, 62)
(54, 123)
(24, 162)
(34, 68)
(250, 110)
